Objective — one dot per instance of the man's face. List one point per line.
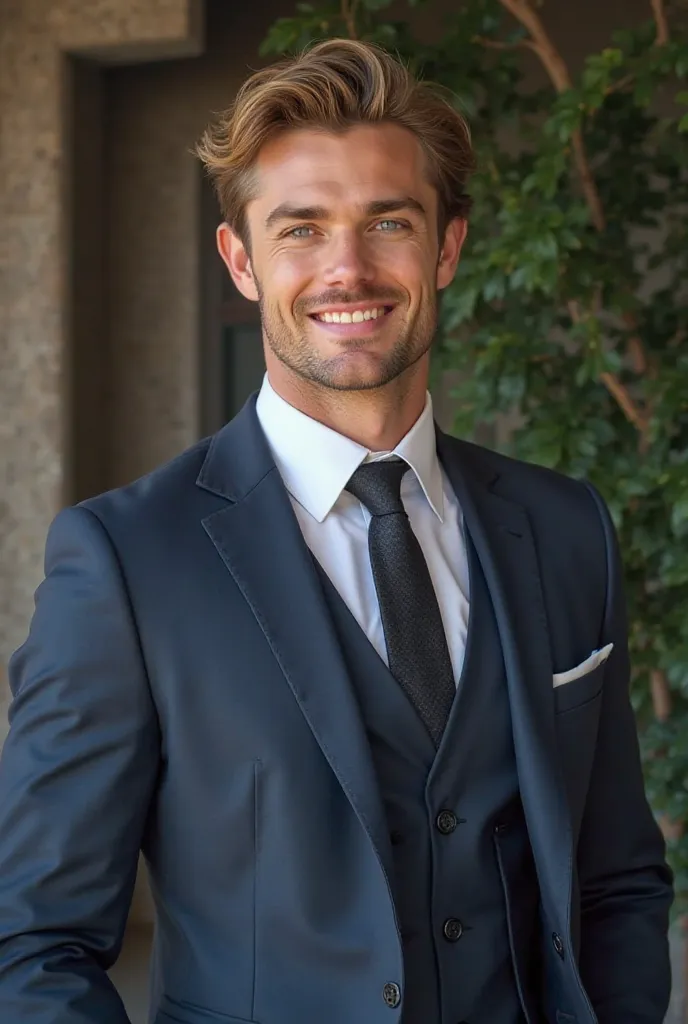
(345, 258)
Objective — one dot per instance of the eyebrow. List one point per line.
(287, 211)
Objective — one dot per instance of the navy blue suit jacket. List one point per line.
(182, 691)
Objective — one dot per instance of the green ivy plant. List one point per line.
(569, 313)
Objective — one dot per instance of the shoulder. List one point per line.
(155, 497)
(523, 482)
(569, 520)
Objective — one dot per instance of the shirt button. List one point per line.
(446, 822)
(558, 944)
(453, 929)
(391, 994)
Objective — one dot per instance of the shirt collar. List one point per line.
(316, 462)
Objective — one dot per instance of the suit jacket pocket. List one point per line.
(178, 1011)
(580, 691)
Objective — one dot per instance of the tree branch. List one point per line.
(499, 44)
(659, 13)
(671, 830)
(623, 396)
(619, 85)
(661, 695)
(614, 386)
(558, 72)
(349, 16)
(543, 45)
(635, 347)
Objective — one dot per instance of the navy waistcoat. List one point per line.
(464, 876)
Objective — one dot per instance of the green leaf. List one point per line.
(679, 516)
(494, 288)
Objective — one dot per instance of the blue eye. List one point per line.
(389, 225)
(301, 227)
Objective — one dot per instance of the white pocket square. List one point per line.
(596, 659)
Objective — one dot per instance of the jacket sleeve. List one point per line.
(76, 777)
(625, 884)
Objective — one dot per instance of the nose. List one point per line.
(348, 262)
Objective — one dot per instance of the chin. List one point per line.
(346, 374)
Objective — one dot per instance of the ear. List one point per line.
(237, 260)
(454, 237)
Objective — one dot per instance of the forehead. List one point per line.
(357, 166)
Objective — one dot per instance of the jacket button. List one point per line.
(391, 994)
(558, 944)
(446, 822)
(453, 929)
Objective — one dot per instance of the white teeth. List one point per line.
(356, 317)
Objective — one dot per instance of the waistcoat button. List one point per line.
(558, 944)
(391, 994)
(446, 822)
(453, 929)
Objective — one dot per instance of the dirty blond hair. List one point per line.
(334, 86)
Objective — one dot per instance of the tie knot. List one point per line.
(378, 486)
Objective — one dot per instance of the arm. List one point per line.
(76, 776)
(626, 887)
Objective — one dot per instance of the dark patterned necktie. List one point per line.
(416, 643)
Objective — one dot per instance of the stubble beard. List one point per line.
(296, 352)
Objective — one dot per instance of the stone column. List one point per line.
(37, 37)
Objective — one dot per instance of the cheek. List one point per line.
(288, 276)
(412, 269)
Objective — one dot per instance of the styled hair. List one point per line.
(335, 86)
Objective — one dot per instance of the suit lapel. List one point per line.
(503, 539)
(259, 539)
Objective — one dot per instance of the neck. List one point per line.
(377, 419)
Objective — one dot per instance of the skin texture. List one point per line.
(344, 222)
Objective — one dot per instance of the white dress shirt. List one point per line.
(316, 463)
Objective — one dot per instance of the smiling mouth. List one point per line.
(357, 316)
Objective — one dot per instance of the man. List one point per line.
(357, 689)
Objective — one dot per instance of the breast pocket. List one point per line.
(581, 691)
